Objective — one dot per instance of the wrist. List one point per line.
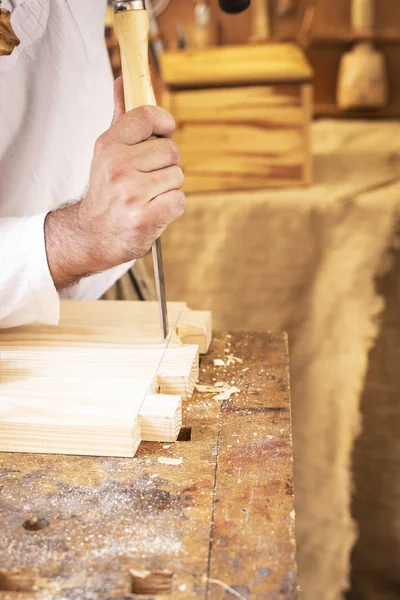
(67, 246)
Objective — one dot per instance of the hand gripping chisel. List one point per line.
(132, 29)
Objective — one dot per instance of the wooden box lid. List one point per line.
(235, 65)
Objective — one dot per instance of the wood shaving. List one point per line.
(227, 393)
(165, 460)
(232, 360)
(224, 390)
(218, 362)
(205, 389)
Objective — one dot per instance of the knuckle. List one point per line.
(173, 208)
(180, 203)
(149, 112)
(141, 223)
(112, 171)
(135, 192)
(146, 116)
(173, 151)
(101, 143)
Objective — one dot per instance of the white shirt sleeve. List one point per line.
(27, 291)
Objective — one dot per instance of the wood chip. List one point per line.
(218, 362)
(205, 389)
(232, 360)
(226, 394)
(165, 460)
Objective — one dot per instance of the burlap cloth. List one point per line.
(306, 261)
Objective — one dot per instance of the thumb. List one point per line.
(119, 102)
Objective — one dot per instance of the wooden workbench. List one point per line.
(222, 517)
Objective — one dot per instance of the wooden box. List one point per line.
(243, 116)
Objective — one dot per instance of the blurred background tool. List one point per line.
(202, 24)
(181, 36)
(285, 8)
(233, 6)
(362, 80)
(156, 45)
(261, 30)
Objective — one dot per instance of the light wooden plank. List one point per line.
(235, 65)
(113, 322)
(101, 381)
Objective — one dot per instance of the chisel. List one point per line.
(132, 29)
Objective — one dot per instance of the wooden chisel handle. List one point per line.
(132, 27)
(132, 31)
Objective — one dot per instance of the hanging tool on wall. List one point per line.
(362, 81)
(260, 21)
(202, 24)
(156, 44)
(132, 30)
(233, 7)
(285, 8)
(8, 39)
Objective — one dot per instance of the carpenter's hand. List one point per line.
(134, 193)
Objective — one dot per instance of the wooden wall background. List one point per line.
(325, 42)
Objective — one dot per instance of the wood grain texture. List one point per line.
(101, 381)
(132, 30)
(244, 137)
(235, 65)
(110, 517)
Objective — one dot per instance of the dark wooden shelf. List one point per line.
(349, 37)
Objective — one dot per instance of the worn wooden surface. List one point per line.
(81, 528)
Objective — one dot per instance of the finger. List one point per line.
(155, 154)
(140, 124)
(168, 206)
(160, 182)
(119, 100)
(164, 209)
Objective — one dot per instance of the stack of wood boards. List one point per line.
(232, 105)
(101, 381)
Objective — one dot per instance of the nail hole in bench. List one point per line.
(185, 434)
(35, 524)
(17, 581)
(144, 583)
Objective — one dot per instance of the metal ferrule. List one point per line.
(122, 5)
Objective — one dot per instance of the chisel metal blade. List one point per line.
(160, 285)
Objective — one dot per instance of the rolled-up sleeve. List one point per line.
(27, 291)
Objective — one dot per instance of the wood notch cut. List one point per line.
(144, 583)
(36, 524)
(17, 581)
(101, 381)
(185, 434)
